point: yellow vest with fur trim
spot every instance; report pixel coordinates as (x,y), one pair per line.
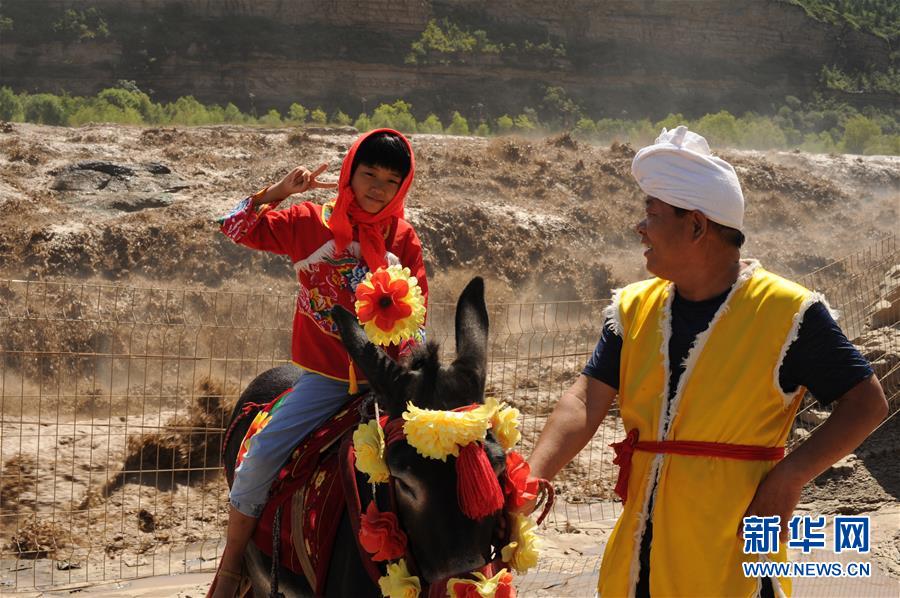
(729,393)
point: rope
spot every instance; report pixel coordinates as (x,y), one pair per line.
(245,410)
(547,496)
(276,556)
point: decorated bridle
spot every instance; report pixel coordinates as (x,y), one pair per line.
(461,433)
(391,308)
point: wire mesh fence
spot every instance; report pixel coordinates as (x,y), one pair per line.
(113,401)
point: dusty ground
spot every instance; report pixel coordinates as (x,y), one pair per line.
(541,219)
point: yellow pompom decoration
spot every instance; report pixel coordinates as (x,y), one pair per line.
(398,583)
(522,551)
(505,426)
(368,441)
(437,434)
(390,305)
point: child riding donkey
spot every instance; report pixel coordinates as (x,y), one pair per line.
(332,247)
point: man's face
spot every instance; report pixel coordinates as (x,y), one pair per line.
(374,187)
(667,237)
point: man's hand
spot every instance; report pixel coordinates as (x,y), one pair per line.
(777,494)
(856,413)
(296,181)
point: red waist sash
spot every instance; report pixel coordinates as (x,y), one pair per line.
(743,452)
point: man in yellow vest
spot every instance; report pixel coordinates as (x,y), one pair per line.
(710,360)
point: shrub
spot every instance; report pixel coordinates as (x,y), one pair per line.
(136,100)
(504,125)
(642,132)
(10,105)
(272,118)
(482,130)
(339,118)
(884,144)
(318,116)
(363,123)
(232,114)
(186,110)
(672,121)
(585,128)
(432,124)
(297,113)
(758,132)
(524,123)
(857,133)
(612,129)
(819,143)
(46,109)
(458,125)
(720,129)
(80,25)
(395,116)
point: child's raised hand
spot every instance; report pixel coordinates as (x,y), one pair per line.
(300,179)
(296,181)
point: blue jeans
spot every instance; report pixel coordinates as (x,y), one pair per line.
(311,401)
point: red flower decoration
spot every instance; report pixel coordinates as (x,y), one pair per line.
(464,590)
(505,589)
(520,487)
(383,301)
(380,534)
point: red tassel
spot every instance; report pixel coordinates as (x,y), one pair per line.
(477,488)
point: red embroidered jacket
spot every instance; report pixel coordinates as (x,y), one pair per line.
(301,232)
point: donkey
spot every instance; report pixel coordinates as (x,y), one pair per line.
(442,541)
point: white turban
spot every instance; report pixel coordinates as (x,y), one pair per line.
(680,170)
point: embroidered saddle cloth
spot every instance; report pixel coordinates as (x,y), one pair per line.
(307,497)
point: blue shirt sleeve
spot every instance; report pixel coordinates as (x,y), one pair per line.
(604,363)
(822,359)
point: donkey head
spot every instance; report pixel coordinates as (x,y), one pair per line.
(443,541)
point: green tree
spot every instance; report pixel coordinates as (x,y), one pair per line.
(458,125)
(760,132)
(297,113)
(612,129)
(432,124)
(642,132)
(395,116)
(233,115)
(339,118)
(819,143)
(524,123)
(585,128)
(672,121)
(272,118)
(186,110)
(80,25)
(857,133)
(46,109)
(888,145)
(482,130)
(6,24)
(132,99)
(10,105)
(318,116)
(559,110)
(505,125)
(363,123)
(720,129)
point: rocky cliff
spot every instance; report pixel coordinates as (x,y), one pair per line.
(621,57)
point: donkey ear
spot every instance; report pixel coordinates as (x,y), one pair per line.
(472,331)
(388,378)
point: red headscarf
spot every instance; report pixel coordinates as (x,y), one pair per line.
(347,214)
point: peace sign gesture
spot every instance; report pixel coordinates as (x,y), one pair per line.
(296,181)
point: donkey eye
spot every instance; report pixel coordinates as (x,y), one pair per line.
(404,487)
